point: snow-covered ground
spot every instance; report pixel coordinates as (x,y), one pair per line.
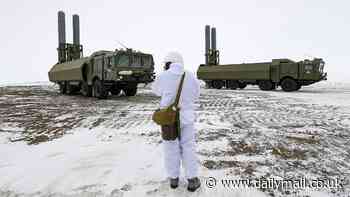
(55,145)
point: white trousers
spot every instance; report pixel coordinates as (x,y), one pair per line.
(181,150)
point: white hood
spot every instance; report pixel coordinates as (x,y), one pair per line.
(174,57)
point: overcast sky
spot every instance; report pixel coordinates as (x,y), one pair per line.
(248,31)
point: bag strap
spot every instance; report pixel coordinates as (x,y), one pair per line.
(179,90)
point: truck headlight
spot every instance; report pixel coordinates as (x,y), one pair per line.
(125,72)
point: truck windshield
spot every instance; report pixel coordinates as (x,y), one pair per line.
(122,60)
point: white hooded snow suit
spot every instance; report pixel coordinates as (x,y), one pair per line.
(184,149)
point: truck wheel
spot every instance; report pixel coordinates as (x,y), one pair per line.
(289,85)
(115,91)
(130,91)
(232,84)
(242,85)
(86,90)
(62,87)
(208,84)
(69,89)
(98,90)
(273,86)
(266,85)
(218,84)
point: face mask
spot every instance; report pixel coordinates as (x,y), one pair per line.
(167,65)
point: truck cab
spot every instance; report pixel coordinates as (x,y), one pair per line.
(116,71)
(292,75)
(311,71)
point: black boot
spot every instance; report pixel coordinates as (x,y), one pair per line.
(193,184)
(174,183)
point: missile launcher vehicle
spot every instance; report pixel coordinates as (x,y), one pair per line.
(288,74)
(101,73)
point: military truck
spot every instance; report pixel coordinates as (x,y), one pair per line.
(288,74)
(101,73)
